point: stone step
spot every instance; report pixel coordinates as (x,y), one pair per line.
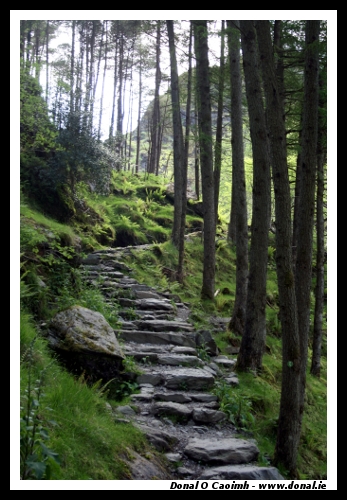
(143,336)
(147,315)
(164,326)
(241,472)
(178,378)
(132,349)
(165,359)
(225,451)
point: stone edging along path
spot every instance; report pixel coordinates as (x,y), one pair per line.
(175,408)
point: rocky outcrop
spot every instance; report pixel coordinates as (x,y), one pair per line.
(174,406)
(85,341)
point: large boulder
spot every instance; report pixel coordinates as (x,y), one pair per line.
(85,342)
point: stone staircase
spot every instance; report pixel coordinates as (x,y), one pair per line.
(175,408)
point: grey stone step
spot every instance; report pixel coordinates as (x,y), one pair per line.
(240,472)
(143,336)
(166,358)
(226,451)
(178,378)
(163,325)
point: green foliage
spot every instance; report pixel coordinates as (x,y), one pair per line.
(130,365)
(37,460)
(122,389)
(81,156)
(203,352)
(235,404)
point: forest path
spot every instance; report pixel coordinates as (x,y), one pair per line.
(179,366)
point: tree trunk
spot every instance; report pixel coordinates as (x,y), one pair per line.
(178,146)
(119,129)
(138,138)
(253,340)
(115,83)
(237,321)
(91,84)
(47,61)
(288,435)
(78,97)
(196,152)
(320,259)
(206,157)
(219,127)
(103,83)
(303,273)
(131,119)
(155,153)
(185,163)
(72,69)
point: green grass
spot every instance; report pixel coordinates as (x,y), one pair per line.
(89,444)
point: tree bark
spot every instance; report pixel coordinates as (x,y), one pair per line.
(288,435)
(155,132)
(115,82)
(219,126)
(206,157)
(320,260)
(253,340)
(47,61)
(237,321)
(138,137)
(319,291)
(180,271)
(103,82)
(177,139)
(303,273)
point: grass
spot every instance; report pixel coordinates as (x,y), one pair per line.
(90,445)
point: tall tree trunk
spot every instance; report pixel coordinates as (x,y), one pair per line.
(47,61)
(87,79)
(253,340)
(131,119)
(296,200)
(237,321)
(197,155)
(91,84)
(28,45)
(288,435)
(37,56)
(219,127)
(72,68)
(206,157)
(78,97)
(103,82)
(279,59)
(123,145)
(138,137)
(320,258)
(154,158)
(180,271)
(115,83)
(178,146)
(303,274)
(96,77)
(120,115)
